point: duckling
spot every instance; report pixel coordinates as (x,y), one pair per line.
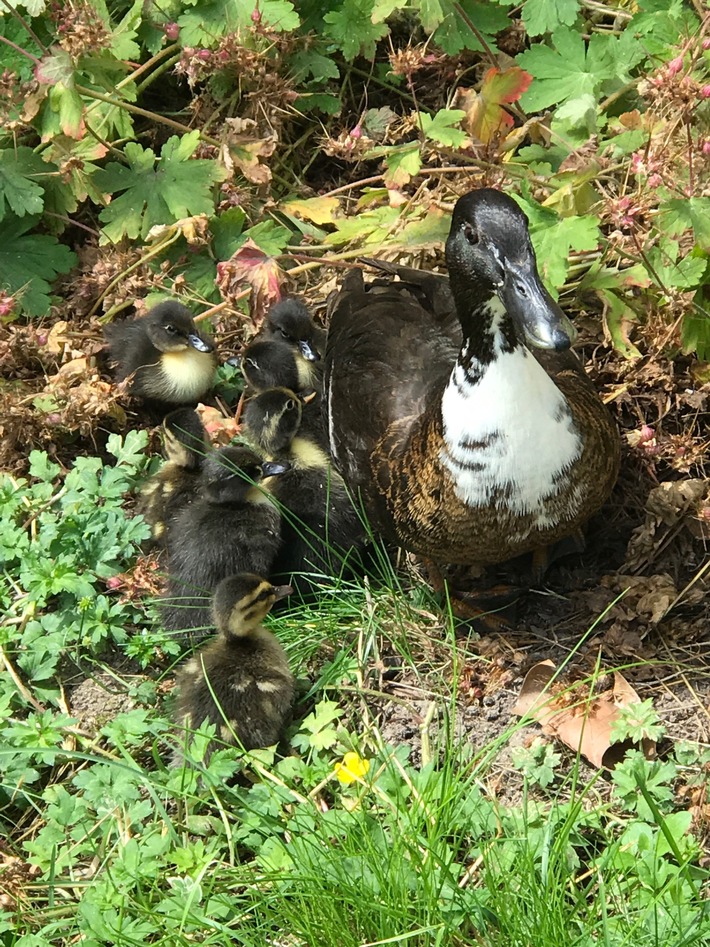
(476,446)
(275,364)
(232,526)
(167,359)
(240,681)
(321,531)
(290,321)
(174,486)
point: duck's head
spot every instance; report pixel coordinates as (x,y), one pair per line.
(270,365)
(273,418)
(230,473)
(170,327)
(184,438)
(290,321)
(243,601)
(489,254)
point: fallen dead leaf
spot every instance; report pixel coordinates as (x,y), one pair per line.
(585,725)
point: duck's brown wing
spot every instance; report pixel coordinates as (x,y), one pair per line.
(385,357)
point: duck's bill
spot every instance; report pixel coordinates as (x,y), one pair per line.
(535,312)
(200,344)
(282,591)
(272,468)
(307,351)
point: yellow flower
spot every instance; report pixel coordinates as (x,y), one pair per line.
(352,768)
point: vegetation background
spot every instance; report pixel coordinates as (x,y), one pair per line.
(225,151)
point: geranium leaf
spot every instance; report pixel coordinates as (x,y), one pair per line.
(29,263)
(156,191)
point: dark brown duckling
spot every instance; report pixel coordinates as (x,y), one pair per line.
(240,681)
(321,531)
(232,526)
(290,321)
(473,446)
(175,485)
(165,356)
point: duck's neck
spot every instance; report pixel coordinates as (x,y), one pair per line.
(509,438)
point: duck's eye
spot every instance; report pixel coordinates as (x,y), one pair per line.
(251,363)
(470,234)
(170,329)
(290,405)
(284,333)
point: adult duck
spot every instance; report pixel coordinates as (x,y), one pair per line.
(476,442)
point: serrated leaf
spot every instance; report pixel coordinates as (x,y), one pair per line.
(695,329)
(211,19)
(553,238)
(567,70)
(544,16)
(440,128)
(485,118)
(680,214)
(402,162)
(454,34)
(618,317)
(321,210)
(18,191)
(314,64)
(156,191)
(56,66)
(669,272)
(429,231)
(30,262)
(383,8)
(251,266)
(123,36)
(353,30)
(68,105)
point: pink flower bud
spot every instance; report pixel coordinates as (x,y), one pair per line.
(256,16)
(356,132)
(647,434)
(706,42)
(706,147)
(172,31)
(675,66)
(204,55)
(114,582)
(705,91)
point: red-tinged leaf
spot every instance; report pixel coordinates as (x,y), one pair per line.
(69,106)
(252,266)
(485,119)
(55,67)
(506,86)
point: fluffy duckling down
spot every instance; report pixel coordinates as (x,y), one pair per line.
(240,681)
(164,495)
(232,526)
(321,530)
(167,359)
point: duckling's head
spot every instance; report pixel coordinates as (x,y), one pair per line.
(291,321)
(273,419)
(229,474)
(184,441)
(490,257)
(170,327)
(270,365)
(243,601)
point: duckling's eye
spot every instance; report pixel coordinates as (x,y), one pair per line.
(251,362)
(290,405)
(170,329)
(470,234)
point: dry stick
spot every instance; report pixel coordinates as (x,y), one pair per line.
(18,682)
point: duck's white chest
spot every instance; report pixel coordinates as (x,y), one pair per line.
(509,436)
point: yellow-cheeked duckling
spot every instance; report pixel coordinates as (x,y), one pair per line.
(472,446)
(165,356)
(290,321)
(240,681)
(232,526)
(273,364)
(321,530)
(175,485)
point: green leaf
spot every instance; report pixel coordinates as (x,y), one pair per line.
(667,271)
(29,263)
(440,127)
(618,316)
(312,63)
(695,328)
(568,70)
(159,192)
(19,192)
(544,16)
(211,19)
(353,30)
(123,36)
(553,237)
(454,35)
(372,227)
(678,215)
(403,162)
